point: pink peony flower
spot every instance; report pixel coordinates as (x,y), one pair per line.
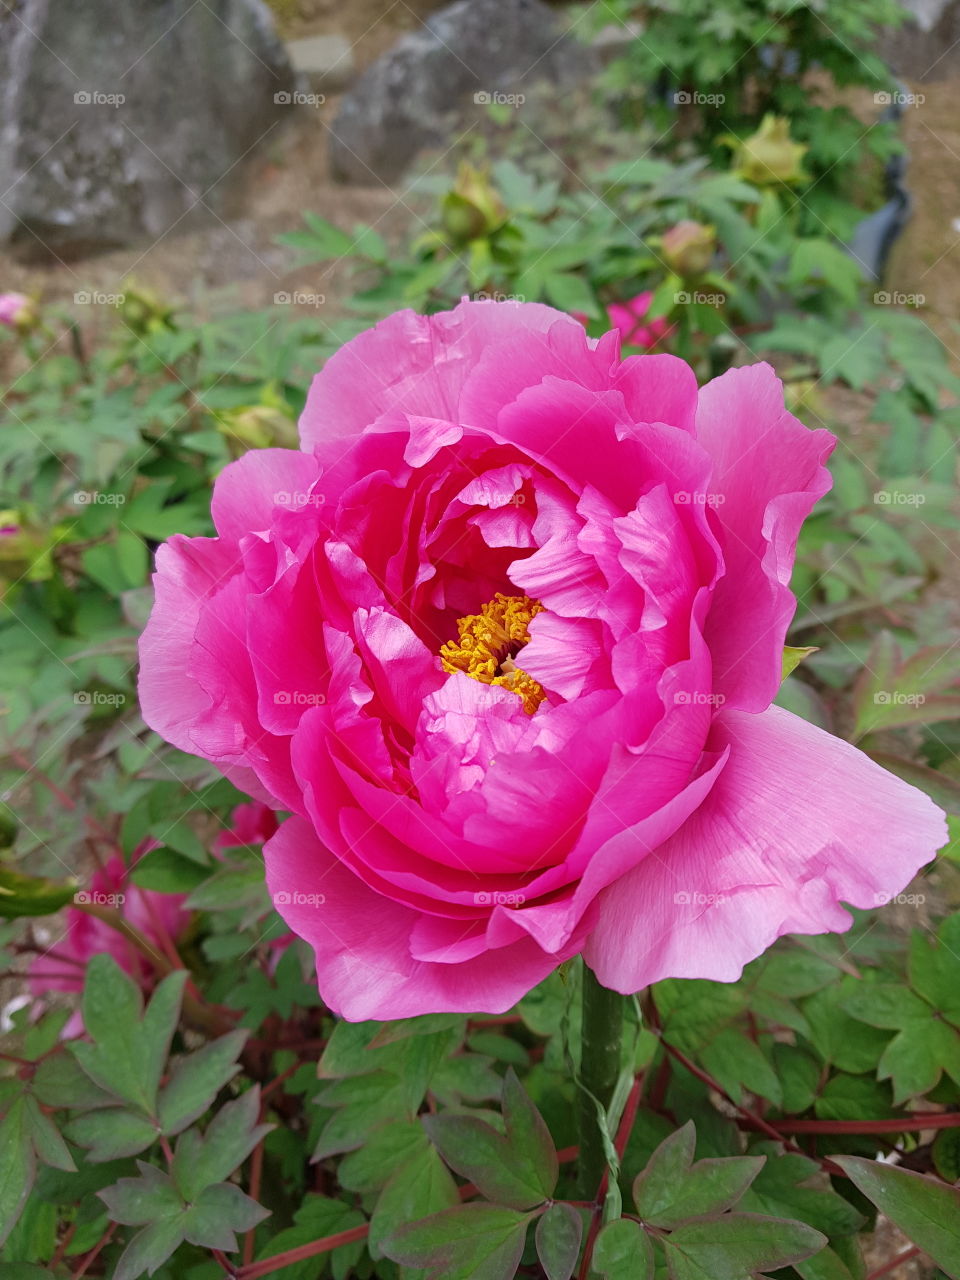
(250,824)
(155,915)
(628,317)
(504,639)
(16,310)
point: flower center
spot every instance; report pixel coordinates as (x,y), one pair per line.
(488,643)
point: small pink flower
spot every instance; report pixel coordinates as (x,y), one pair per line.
(250,824)
(157,916)
(504,639)
(628,317)
(17,311)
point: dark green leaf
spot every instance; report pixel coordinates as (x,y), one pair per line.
(18,1166)
(420,1187)
(925,1209)
(471,1242)
(735,1246)
(197,1079)
(558,1236)
(112,1132)
(231,1135)
(623,1251)
(22,895)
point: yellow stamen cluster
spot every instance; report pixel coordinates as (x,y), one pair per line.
(488,643)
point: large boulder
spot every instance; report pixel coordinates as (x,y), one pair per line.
(466,54)
(927,46)
(121,120)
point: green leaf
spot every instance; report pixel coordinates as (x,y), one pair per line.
(18,1166)
(792,657)
(736,1245)
(925,1209)
(736,1061)
(218,1212)
(623,1251)
(519,1169)
(672,1189)
(22,895)
(201,1160)
(167,871)
(558,1236)
(420,1187)
(946,1154)
(793,1186)
(129,1052)
(197,1079)
(471,1242)
(528,1135)
(316,1218)
(112,1132)
(136,1201)
(45,1136)
(149,1249)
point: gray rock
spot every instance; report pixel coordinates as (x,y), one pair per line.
(120,121)
(325,62)
(466,54)
(927,46)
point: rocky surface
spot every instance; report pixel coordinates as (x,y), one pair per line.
(119,122)
(464,56)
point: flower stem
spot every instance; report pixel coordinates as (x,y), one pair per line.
(601,1044)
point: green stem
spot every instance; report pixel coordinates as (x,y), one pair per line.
(601,1045)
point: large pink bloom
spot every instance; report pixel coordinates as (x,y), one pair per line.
(452,841)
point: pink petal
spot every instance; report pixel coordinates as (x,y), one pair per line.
(768,473)
(798,822)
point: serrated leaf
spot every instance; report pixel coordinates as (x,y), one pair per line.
(558,1236)
(925,1209)
(197,1079)
(792,1186)
(623,1251)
